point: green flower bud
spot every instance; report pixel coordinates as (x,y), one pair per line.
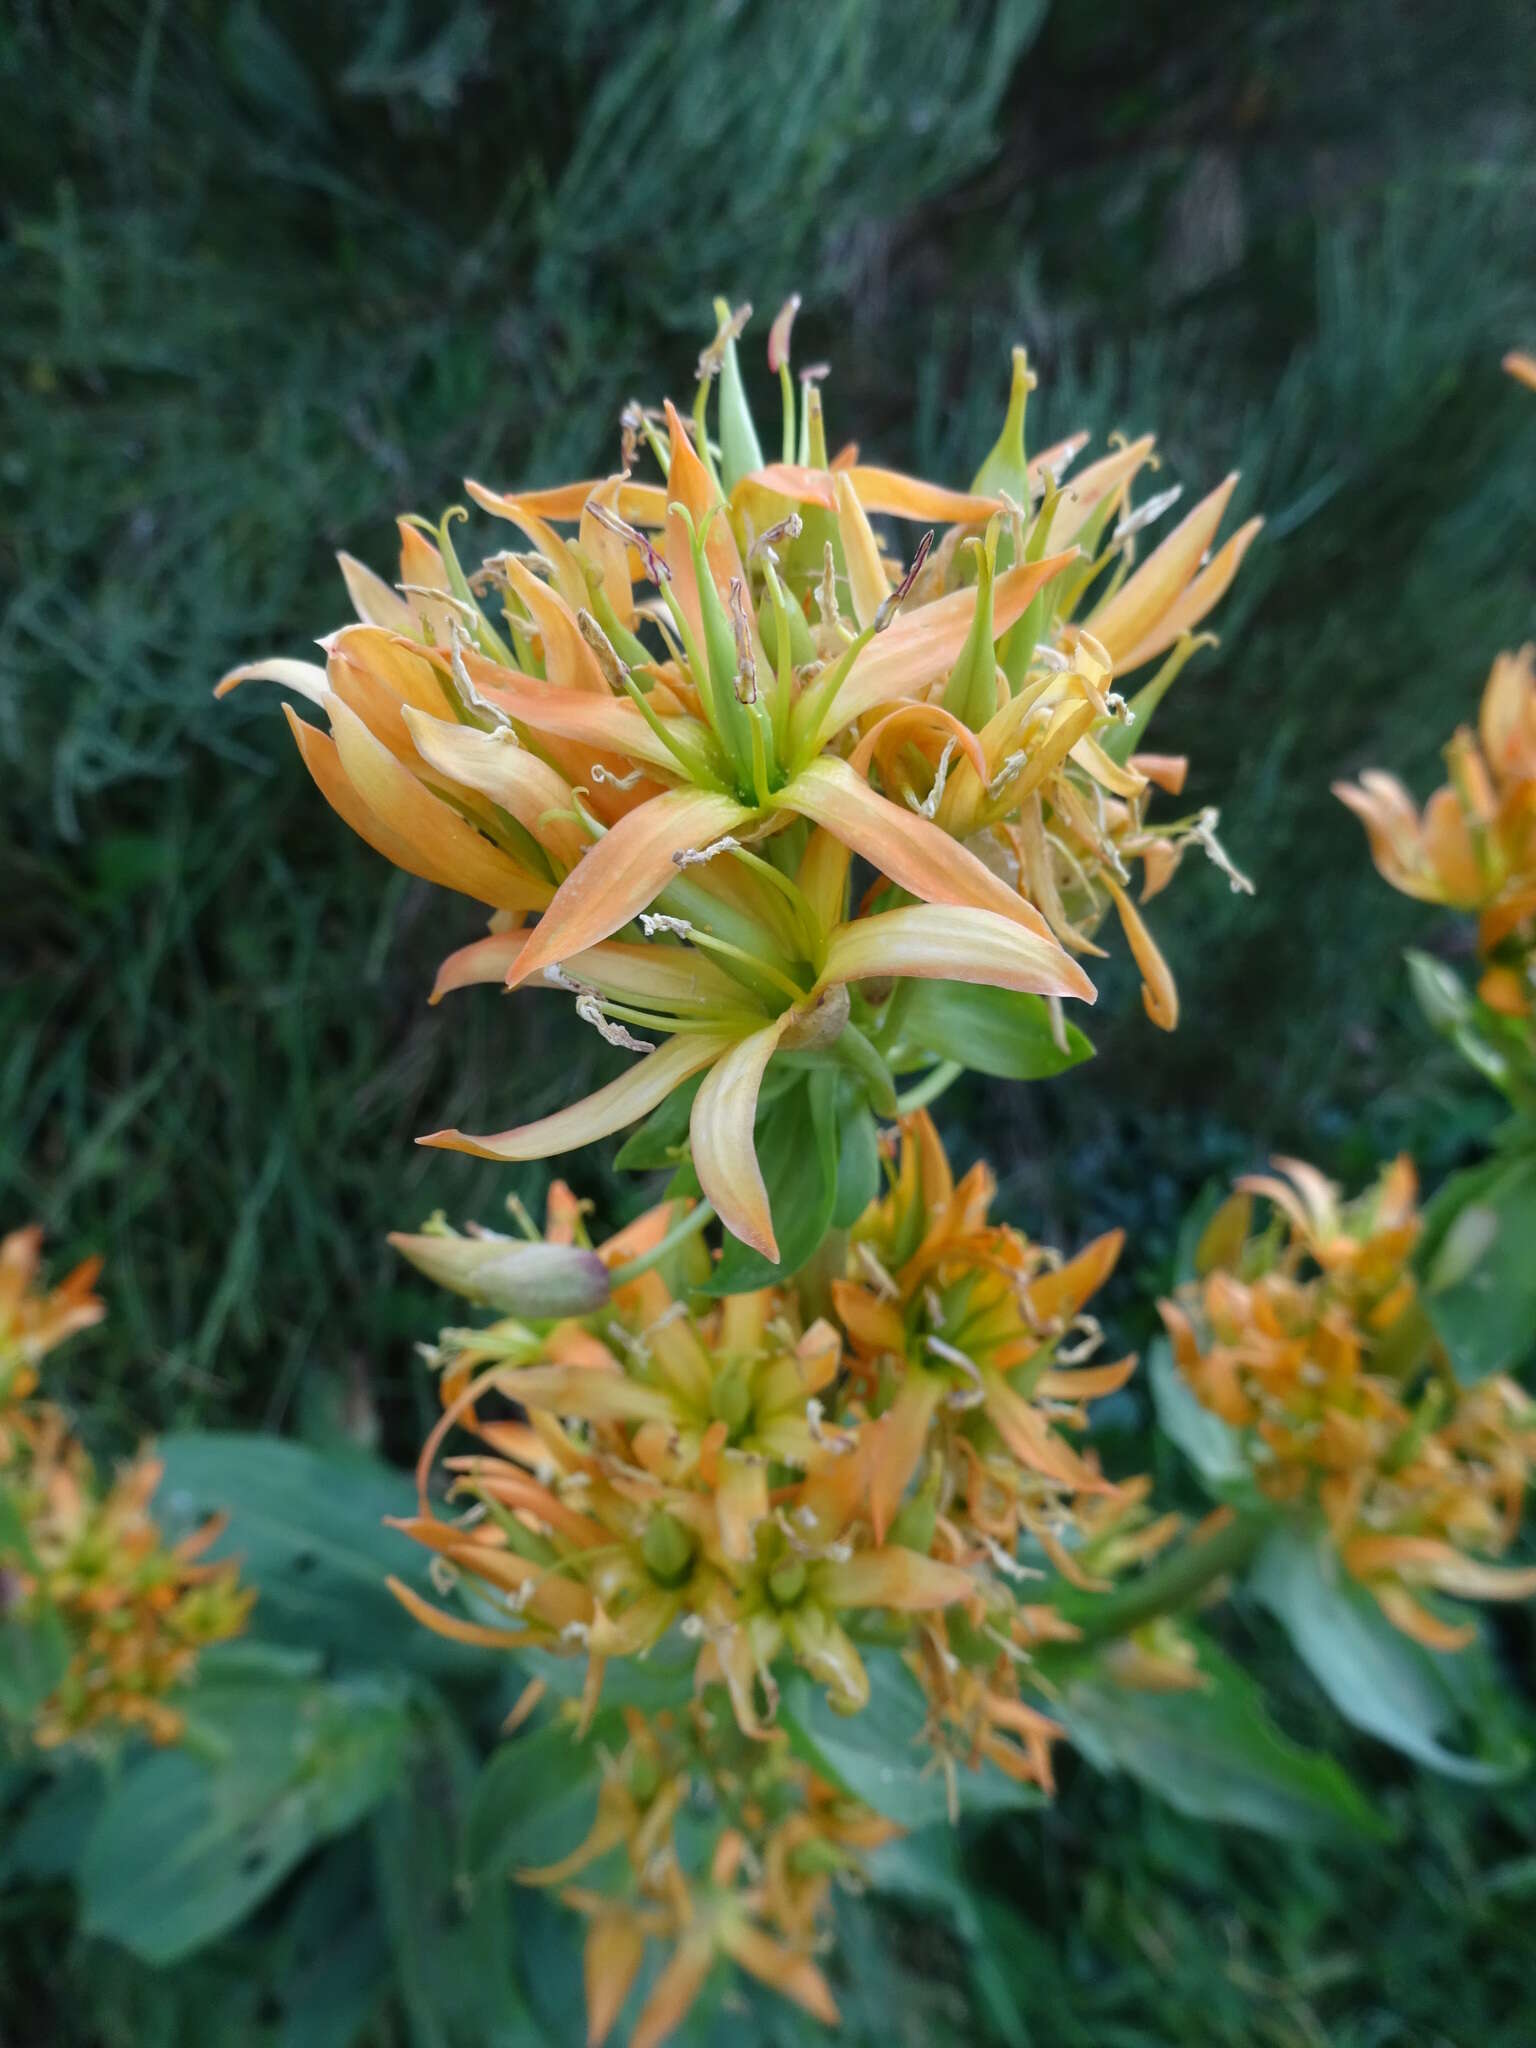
(540,1282)
(667,1549)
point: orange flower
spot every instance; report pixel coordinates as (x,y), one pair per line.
(1310,1340)
(83,1565)
(1474,845)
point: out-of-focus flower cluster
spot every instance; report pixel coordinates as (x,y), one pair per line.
(766,1839)
(1308,1337)
(778,1485)
(1473,847)
(83,1566)
(669,723)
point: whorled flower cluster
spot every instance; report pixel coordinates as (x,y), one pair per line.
(751,760)
(83,1565)
(1310,1339)
(878,1455)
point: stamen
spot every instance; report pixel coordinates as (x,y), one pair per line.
(655,568)
(1204,830)
(615,671)
(654,921)
(786,529)
(589,1009)
(1050,657)
(930,802)
(891,605)
(885,1287)
(746,667)
(601,774)
(699,856)
(712,361)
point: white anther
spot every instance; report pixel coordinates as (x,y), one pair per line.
(590,1010)
(930,802)
(601,774)
(654,921)
(698,856)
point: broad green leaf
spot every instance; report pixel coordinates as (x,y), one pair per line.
(881,1756)
(664,1134)
(1215,1754)
(1212,1446)
(535,1798)
(451,1939)
(858,1159)
(308,1529)
(186,1844)
(44,1836)
(34,1655)
(993,1031)
(1480,1266)
(1378,1678)
(797,1148)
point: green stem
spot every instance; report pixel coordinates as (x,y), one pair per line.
(1177,1582)
(692,1221)
(930,1088)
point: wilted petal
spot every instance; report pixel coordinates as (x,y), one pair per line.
(895,1578)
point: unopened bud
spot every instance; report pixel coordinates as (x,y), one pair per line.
(667,1549)
(539,1282)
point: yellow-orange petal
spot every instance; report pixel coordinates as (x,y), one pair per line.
(1128,617)
(720,1134)
(922,645)
(510,775)
(633,1095)
(1204,592)
(917,855)
(950,942)
(624,872)
(1159,992)
(894,1577)
(456,852)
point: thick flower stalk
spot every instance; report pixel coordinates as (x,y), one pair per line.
(118,1614)
(1309,1339)
(1473,847)
(752,765)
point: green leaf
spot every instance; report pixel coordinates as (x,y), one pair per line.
(1212,1446)
(45,1837)
(1378,1678)
(993,1031)
(858,1159)
(881,1756)
(1215,1754)
(34,1655)
(1480,1285)
(186,1845)
(308,1529)
(797,1148)
(657,1142)
(536,1797)
(452,1940)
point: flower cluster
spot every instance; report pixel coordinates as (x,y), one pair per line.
(116,1614)
(752,761)
(775,1837)
(1310,1339)
(1474,845)
(775,1484)
(876,1455)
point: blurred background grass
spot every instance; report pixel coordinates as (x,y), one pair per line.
(271,272)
